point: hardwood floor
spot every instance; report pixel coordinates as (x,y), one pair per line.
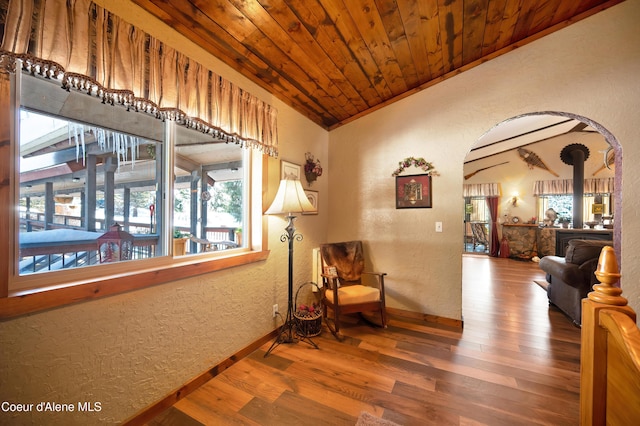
(515,362)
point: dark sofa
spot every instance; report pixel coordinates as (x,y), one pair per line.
(572,277)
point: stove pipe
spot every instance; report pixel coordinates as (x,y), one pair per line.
(575,155)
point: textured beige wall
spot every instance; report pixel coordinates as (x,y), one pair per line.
(589,69)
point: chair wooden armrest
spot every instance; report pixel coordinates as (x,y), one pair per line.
(380,276)
(375,273)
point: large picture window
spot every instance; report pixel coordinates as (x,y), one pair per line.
(558,195)
(562,204)
(86,167)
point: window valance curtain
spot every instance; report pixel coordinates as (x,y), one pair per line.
(565,186)
(95,51)
(481,190)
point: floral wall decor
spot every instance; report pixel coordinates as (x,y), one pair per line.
(414,191)
(312,168)
(421,163)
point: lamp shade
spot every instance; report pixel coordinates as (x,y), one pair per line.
(290,198)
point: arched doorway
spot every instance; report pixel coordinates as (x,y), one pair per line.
(497,158)
(577,129)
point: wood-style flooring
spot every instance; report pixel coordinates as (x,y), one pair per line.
(515,362)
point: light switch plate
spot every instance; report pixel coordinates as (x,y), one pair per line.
(438,226)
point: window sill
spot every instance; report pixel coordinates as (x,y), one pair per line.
(26,302)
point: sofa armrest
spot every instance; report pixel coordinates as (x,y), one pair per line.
(558,268)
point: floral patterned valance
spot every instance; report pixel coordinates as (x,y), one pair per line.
(481,190)
(565,186)
(92,50)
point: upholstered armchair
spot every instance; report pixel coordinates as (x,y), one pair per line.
(347,287)
(572,277)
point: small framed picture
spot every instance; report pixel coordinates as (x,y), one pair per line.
(313,199)
(597,208)
(331,271)
(413,191)
(289,170)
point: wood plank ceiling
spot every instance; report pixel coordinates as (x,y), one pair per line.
(336,60)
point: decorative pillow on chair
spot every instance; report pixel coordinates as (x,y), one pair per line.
(346,257)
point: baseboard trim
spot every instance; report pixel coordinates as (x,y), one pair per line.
(158,407)
(432,319)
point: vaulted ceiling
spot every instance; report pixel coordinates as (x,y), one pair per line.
(336,60)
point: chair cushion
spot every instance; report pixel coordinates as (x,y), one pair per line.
(354,294)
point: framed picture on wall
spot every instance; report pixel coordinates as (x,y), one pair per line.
(313,199)
(413,191)
(289,170)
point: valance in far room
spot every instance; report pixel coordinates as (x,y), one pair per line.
(565,186)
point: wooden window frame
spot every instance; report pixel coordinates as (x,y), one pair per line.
(82,287)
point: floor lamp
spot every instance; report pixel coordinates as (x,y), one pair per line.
(290,199)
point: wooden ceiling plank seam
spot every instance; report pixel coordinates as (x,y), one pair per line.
(216,41)
(573,17)
(394,27)
(301,36)
(585,5)
(257,38)
(509,21)
(450,14)
(430,24)
(564,10)
(543,16)
(351,69)
(349,32)
(335,100)
(295,75)
(367,18)
(475,16)
(410,14)
(345,93)
(525,18)
(495,14)
(314,16)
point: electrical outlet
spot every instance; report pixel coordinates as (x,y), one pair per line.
(275,310)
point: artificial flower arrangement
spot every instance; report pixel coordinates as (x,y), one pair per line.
(421,163)
(312,310)
(312,168)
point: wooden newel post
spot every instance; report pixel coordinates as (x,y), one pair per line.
(593,351)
